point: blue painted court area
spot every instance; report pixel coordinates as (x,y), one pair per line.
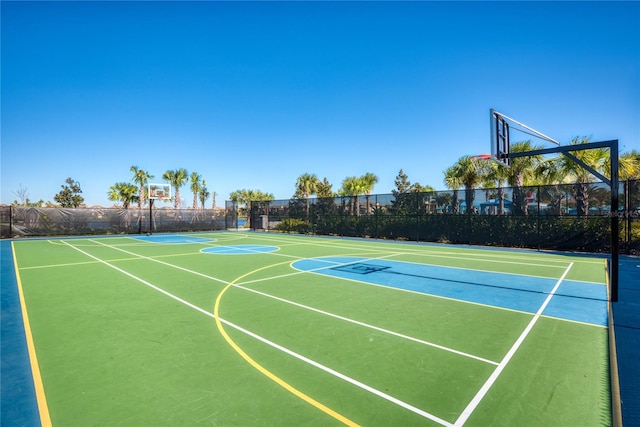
(18,399)
(578,301)
(172,239)
(239,249)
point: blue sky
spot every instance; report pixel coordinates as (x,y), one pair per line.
(253,94)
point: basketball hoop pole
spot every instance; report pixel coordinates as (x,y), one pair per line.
(500,150)
(150,214)
(535,132)
(613,183)
(613,153)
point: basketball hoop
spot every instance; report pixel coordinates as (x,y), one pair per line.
(482,157)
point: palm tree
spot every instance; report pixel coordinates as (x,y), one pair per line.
(628,165)
(470,171)
(633,157)
(141,178)
(307,184)
(177,179)
(452,181)
(369,180)
(523,171)
(195,187)
(352,187)
(203,193)
(123,192)
(126,193)
(496,176)
(551,176)
(594,158)
(245,197)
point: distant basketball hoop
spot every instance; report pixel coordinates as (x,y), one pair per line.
(159,192)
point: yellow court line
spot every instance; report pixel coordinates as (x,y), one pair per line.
(264,370)
(43,409)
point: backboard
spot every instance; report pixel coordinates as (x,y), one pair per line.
(159,191)
(499,137)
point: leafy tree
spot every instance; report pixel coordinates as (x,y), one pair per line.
(323,189)
(69,196)
(177,179)
(195,187)
(403,187)
(141,178)
(123,192)
(402,183)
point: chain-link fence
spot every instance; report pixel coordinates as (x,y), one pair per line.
(562,217)
(19,221)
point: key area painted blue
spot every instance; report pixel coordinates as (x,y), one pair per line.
(18,404)
(584,302)
(239,249)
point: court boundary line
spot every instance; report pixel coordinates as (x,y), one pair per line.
(473,404)
(176,298)
(324,368)
(493,253)
(528,313)
(501,366)
(337,374)
(302,272)
(41,398)
(452,256)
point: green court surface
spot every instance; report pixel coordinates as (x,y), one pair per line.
(240,329)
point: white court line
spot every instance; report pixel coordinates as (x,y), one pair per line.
(330,264)
(366,325)
(326,369)
(435,252)
(496,373)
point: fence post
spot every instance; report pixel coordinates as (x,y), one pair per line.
(627,214)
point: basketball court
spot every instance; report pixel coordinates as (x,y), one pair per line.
(246,328)
(212,329)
